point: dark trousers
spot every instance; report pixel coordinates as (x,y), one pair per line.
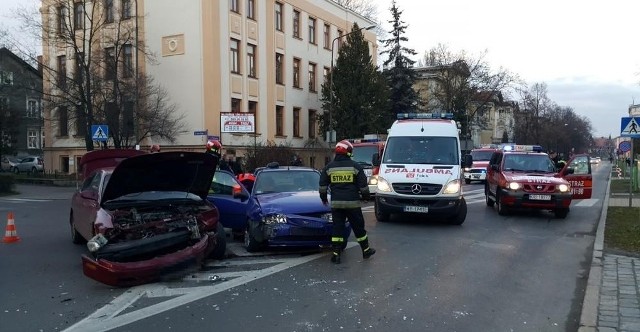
(356,219)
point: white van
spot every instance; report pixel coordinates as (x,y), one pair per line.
(420,169)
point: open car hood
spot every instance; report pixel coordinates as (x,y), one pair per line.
(104,159)
(165,171)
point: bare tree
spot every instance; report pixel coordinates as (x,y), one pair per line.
(96,79)
(366,8)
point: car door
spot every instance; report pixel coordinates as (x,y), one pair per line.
(581,180)
(86,205)
(232,208)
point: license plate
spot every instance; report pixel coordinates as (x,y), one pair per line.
(540,197)
(476,176)
(367,172)
(417,209)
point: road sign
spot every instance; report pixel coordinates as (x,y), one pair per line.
(624,146)
(200,132)
(100,133)
(213,138)
(630,127)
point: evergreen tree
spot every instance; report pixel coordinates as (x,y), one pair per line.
(398,67)
(359,92)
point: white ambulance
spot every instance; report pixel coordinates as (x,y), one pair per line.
(420,169)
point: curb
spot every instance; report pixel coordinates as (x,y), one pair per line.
(589,315)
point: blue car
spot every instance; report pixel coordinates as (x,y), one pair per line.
(281,209)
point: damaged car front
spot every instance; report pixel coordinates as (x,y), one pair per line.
(154,219)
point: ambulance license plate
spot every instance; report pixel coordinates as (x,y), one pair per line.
(416,209)
(540,197)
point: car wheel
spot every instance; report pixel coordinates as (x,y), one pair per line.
(502,210)
(488,199)
(381,216)
(250,242)
(16,170)
(561,213)
(75,235)
(459,218)
(221,243)
(34,170)
(467,181)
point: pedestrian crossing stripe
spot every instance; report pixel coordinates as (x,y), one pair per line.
(631,127)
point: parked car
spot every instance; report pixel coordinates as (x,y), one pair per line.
(30,164)
(8,163)
(281,209)
(145,216)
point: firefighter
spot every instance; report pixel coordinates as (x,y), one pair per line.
(214,147)
(347,181)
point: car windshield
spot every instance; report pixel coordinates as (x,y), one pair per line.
(363,154)
(286,181)
(422,150)
(528,163)
(481,155)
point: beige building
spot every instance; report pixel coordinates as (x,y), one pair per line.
(493,116)
(264,58)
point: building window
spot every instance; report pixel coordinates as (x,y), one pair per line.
(251,60)
(62,72)
(81,122)
(327,36)
(235,7)
(126,9)
(279,120)
(279,68)
(312,77)
(108,11)
(63,121)
(296,122)
(339,39)
(128,118)
(251,9)
(110,63)
(64,164)
(6,77)
(79,68)
(253,109)
(234,56)
(312,30)
(296,72)
(78,15)
(32,108)
(127,64)
(296,23)
(4,104)
(62,18)
(325,73)
(235,105)
(278,9)
(312,124)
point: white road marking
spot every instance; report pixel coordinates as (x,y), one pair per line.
(587,202)
(108,317)
(24,200)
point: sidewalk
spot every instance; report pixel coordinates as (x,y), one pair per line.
(611,301)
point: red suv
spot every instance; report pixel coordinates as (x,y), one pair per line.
(522,176)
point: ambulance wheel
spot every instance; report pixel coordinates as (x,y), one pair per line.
(561,213)
(502,210)
(467,181)
(381,216)
(459,218)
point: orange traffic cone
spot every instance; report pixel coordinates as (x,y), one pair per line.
(10,234)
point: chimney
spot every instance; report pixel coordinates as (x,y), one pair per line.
(39,59)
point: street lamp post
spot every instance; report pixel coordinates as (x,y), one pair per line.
(331,135)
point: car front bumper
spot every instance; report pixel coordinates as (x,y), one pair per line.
(441,207)
(297,233)
(520,199)
(479,175)
(124,274)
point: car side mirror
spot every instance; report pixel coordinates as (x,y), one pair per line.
(568,171)
(375,159)
(241,195)
(89,194)
(467,161)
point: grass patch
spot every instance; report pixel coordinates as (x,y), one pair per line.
(621,187)
(622,230)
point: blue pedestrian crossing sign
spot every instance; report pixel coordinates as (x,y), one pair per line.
(100,133)
(630,127)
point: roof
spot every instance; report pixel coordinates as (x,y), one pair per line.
(6,52)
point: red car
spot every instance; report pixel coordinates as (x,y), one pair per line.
(146,217)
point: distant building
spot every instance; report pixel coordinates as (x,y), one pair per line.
(493,116)
(21,121)
(265,58)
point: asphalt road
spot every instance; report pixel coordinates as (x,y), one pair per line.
(523,272)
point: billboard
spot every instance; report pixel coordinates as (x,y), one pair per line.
(237,122)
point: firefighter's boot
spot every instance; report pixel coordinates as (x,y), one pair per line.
(336,244)
(366,250)
(335,257)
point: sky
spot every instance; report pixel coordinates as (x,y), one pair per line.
(587,52)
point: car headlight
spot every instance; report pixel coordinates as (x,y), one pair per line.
(373,180)
(96,242)
(383,185)
(466,169)
(452,187)
(274,219)
(328,217)
(513,185)
(563,188)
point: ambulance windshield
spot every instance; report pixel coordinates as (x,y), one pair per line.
(422,150)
